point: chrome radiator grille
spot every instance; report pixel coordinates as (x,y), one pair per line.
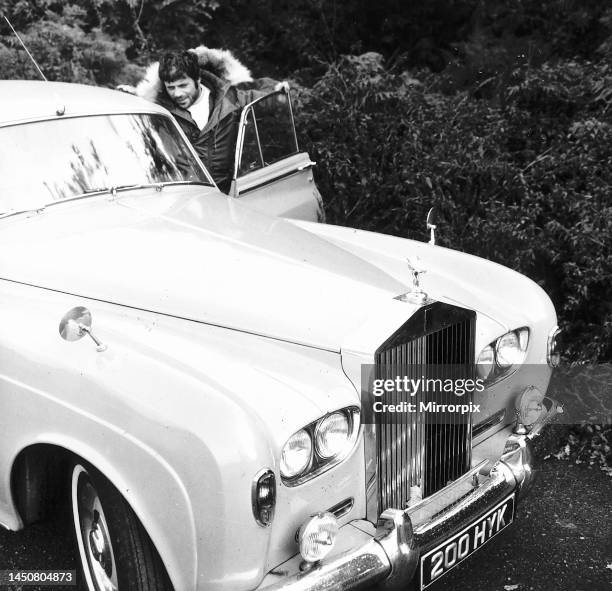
(425,450)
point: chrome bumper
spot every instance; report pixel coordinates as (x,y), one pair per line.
(391,557)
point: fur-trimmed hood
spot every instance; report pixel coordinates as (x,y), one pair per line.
(217,63)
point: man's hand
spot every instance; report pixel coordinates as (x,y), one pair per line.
(126,88)
(284,85)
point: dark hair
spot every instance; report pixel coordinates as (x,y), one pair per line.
(175,65)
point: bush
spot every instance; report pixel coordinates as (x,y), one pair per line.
(64,52)
(588,444)
(526,184)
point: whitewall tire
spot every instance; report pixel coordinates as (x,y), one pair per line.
(115,552)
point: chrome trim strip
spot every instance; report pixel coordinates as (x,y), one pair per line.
(490,422)
(550,339)
(356,569)
(341,509)
(442,499)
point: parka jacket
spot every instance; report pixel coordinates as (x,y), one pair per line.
(229,93)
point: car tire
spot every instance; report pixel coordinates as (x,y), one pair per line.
(115,552)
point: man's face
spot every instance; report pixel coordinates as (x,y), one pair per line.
(183,91)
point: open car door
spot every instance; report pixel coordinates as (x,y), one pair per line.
(270,172)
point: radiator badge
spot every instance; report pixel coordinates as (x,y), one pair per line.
(416,295)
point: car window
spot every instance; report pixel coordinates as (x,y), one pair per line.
(46,161)
(252,158)
(269,133)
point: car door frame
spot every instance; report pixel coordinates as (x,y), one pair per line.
(294,163)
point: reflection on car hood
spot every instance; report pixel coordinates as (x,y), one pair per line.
(200,257)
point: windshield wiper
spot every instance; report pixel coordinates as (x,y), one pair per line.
(110,190)
(171,183)
(158,186)
(113,190)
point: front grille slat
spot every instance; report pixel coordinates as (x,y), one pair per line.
(419,449)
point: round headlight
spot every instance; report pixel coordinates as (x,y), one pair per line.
(485,362)
(296,454)
(332,435)
(530,406)
(511,348)
(317,536)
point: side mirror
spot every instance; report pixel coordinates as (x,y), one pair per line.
(75,324)
(431,225)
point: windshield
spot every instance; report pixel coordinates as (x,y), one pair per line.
(47,161)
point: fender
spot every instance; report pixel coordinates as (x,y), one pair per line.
(171,398)
(150,504)
(482,285)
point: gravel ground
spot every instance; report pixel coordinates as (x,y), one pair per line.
(561,540)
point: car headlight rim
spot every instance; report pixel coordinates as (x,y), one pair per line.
(506,359)
(320,463)
(507,350)
(508,356)
(292,466)
(323,447)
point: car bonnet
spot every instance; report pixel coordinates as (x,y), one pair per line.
(193,253)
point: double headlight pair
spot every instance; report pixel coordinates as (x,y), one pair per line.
(319,445)
(312,450)
(503,356)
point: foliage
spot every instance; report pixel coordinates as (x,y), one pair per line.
(63,50)
(526,184)
(471,41)
(588,444)
(107,32)
(307,33)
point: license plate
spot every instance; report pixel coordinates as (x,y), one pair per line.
(451,552)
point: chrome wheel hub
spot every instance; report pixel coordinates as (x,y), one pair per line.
(98,544)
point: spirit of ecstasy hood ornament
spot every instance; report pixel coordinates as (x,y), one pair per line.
(416,295)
